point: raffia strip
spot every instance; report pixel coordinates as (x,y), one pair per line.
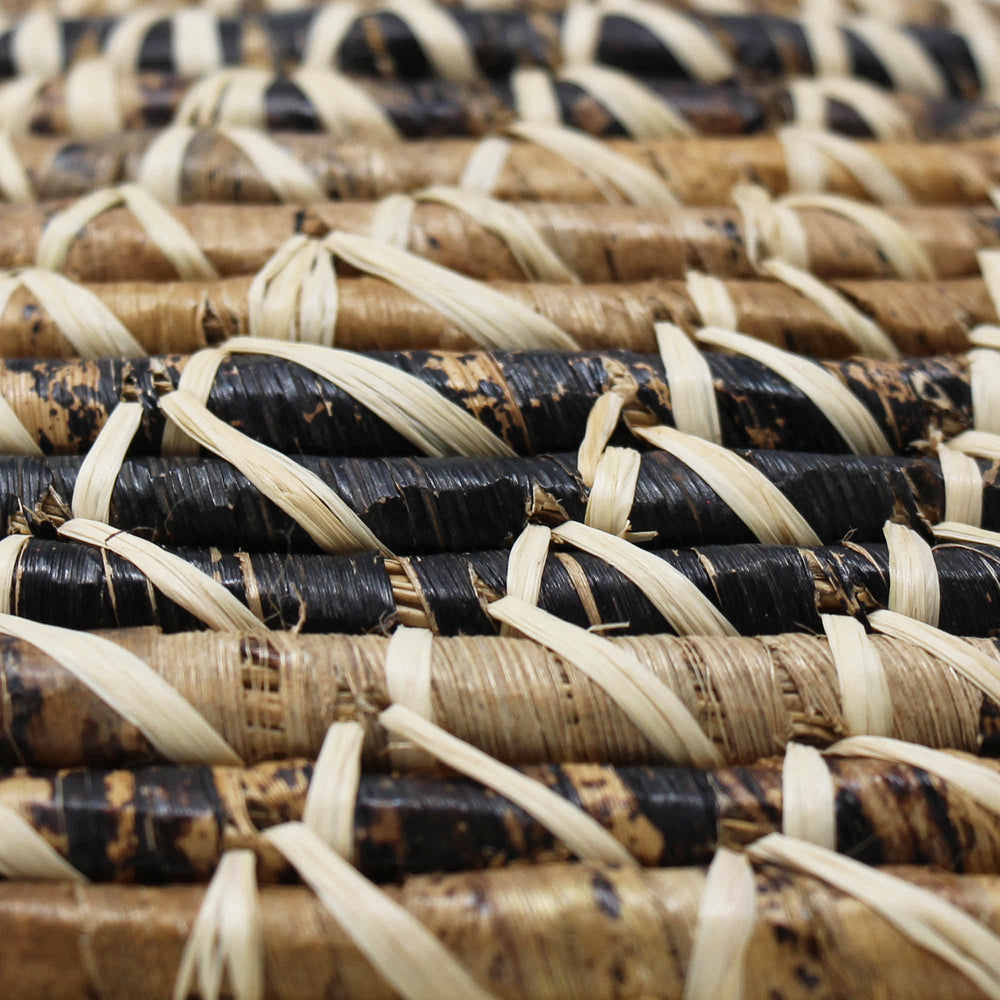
(434,424)
(392,220)
(163,230)
(980,783)
(15,185)
(184,584)
(197,46)
(692,45)
(979,31)
(904,60)
(877,109)
(233,96)
(537,260)
(807,156)
(978,443)
(408,956)
(493,319)
(974,665)
(827,45)
(408,683)
(963,487)
(37,45)
(613,493)
(901,249)
(26,854)
(485,164)
(124,43)
(643,114)
(285,175)
(93,105)
(987,334)
(828,394)
(226,936)
(692,393)
(333,789)
(11,547)
(955,531)
(525,567)
(808,809)
(14,436)
(319,510)
(712,300)
(134,690)
(584,836)
(866,703)
(345,110)
(81,317)
(196,380)
(17,99)
(984,378)
(601,423)
(869,337)
(922,916)
(770,228)
(99,470)
(684,606)
(914,587)
(327,30)
(751,496)
(989,267)
(534,95)
(294,295)
(617,177)
(727,915)
(653,707)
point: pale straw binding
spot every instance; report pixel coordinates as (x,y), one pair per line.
(914,587)
(134,690)
(14,436)
(831,397)
(525,566)
(960,771)
(333,788)
(692,393)
(984,377)
(956,531)
(751,496)
(808,800)
(642,113)
(865,701)
(869,338)
(900,248)
(924,917)
(808,153)
(37,45)
(827,45)
(537,260)
(15,185)
(977,443)
(11,547)
(770,228)
(124,42)
(408,956)
(963,487)
(26,854)
(226,938)
(975,666)
(197,45)
(491,318)
(392,220)
(582,834)
(196,380)
(618,178)
(412,408)
(534,96)
(613,493)
(989,267)
(185,584)
(345,110)
(685,607)
(601,423)
(95,482)
(318,509)
(17,101)
(726,918)
(979,31)
(712,300)
(161,228)
(877,109)
(485,165)
(233,96)
(82,318)
(655,709)
(408,683)
(908,66)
